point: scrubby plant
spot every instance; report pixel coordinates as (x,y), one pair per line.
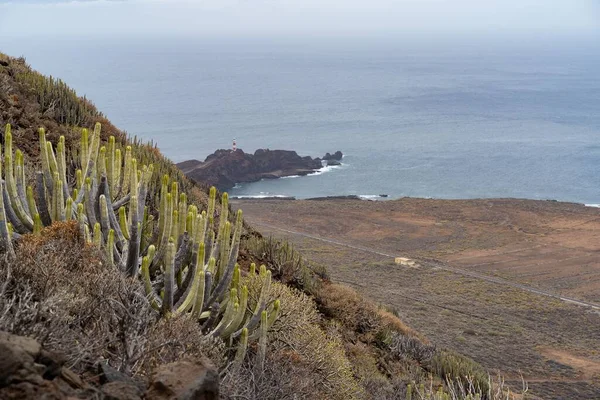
(186,266)
(464,388)
(302,360)
(460,371)
(287,264)
(411,348)
(62,293)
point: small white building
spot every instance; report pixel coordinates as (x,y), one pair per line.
(405,261)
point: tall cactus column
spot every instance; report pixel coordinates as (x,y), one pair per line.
(188,267)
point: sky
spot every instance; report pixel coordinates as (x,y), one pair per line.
(514,18)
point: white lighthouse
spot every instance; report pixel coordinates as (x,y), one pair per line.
(234,146)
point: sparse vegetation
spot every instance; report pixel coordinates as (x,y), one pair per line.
(57,100)
(106,258)
(287,265)
(186,267)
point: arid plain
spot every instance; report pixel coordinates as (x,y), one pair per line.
(494,279)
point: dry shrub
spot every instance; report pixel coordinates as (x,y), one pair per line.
(310,366)
(78,305)
(404,347)
(364,361)
(361,316)
(302,360)
(460,370)
(383,351)
(63,293)
(347,306)
(466,389)
(286,264)
(394,324)
(174,338)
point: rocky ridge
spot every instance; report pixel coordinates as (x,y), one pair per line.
(225,168)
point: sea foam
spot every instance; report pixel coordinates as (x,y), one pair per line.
(259,196)
(326,168)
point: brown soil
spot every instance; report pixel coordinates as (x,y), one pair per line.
(486,274)
(587,368)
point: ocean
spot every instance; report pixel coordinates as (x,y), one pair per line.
(431,119)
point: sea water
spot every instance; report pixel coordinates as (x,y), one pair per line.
(440,119)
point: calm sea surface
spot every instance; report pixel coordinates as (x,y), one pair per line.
(429,120)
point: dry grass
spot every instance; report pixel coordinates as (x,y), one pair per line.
(61,292)
(78,306)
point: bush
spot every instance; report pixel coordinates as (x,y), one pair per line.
(61,292)
(459,370)
(176,338)
(345,305)
(464,389)
(410,348)
(361,316)
(302,360)
(286,264)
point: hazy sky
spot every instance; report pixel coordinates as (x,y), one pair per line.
(302,17)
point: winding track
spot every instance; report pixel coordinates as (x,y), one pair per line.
(437,264)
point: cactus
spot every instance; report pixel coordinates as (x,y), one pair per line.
(240,354)
(188,267)
(5,239)
(11,184)
(262,343)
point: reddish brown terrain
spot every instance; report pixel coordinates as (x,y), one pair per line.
(494,279)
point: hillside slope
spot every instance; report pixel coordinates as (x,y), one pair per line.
(327,341)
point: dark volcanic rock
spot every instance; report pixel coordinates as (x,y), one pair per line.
(27,371)
(121,391)
(189,165)
(225,168)
(332,162)
(337,156)
(198,380)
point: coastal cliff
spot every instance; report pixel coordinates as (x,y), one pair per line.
(225,168)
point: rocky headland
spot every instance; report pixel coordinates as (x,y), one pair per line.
(225,168)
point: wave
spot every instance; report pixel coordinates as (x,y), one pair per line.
(372,196)
(592,205)
(260,196)
(327,168)
(290,176)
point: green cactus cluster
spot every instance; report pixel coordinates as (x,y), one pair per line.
(185,257)
(57,98)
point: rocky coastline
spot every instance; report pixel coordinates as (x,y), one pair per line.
(225,168)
